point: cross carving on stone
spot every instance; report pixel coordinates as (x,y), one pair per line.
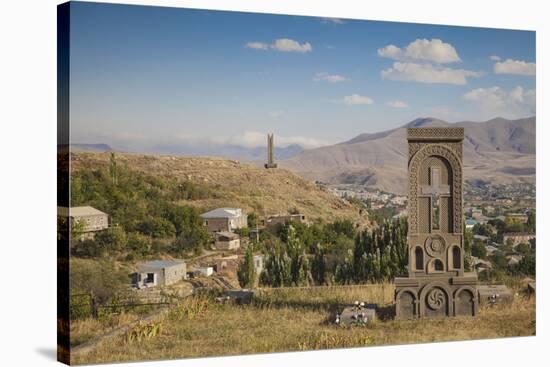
(435,190)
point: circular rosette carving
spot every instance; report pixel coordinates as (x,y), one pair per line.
(435,246)
(436,299)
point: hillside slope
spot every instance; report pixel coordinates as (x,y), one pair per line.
(498,151)
(268,192)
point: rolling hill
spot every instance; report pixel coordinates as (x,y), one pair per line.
(267,192)
(496,151)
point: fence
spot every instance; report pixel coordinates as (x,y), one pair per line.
(85,305)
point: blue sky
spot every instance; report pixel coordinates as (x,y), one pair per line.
(146,76)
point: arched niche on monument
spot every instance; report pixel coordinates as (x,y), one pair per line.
(418,259)
(435,180)
(465,302)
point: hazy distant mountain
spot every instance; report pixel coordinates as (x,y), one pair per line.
(497,151)
(229,151)
(91,147)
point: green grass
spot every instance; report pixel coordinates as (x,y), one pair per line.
(297,319)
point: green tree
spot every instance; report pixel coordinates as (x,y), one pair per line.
(113,238)
(276,272)
(191,239)
(139,244)
(479,250)
(524,249)
(252,220)
(299,264)
(468,244)
(319,266)
(246,272)
(156,227)
(531,225)
(527,265)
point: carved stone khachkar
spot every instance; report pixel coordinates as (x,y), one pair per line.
(270,160)
(436,285)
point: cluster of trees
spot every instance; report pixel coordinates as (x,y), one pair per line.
(286,264)
(378,255)
(298,260)
(144,213)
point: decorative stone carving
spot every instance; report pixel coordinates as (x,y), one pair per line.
(414,167)
(435,246)
(436,299)
(436,285)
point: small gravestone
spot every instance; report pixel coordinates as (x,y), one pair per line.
(494,294)
(238,296)
(358,314)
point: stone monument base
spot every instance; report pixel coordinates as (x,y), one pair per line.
(436,296)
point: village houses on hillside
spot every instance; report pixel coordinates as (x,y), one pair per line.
(93,220)
(224,219)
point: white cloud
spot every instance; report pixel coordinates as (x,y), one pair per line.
(397,104)
(428,73)
(516,67)
(257,45)
(495,101)
(356,99)
(434,50)
(282,45)
(332,21)
(331,78)
(495,58)
(288,45)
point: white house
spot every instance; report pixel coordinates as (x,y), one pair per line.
(158,273)
(224,219)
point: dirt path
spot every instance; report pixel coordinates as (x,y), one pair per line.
(91,344)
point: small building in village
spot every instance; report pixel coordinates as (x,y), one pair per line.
(516,238)
(227,240)
(224,219)
(481,265)
(284,219)
(92,220)
(227,264)
(520,217)
(490,249)
(158,273)
(470,223)
(204,271)
(514,260)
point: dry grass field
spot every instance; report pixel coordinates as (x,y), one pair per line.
(281,320)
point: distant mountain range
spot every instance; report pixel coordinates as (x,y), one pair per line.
(495,151)
(256,155)
(91,147)
(229,151)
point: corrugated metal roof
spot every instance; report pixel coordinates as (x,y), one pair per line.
(223,213)
(78,211)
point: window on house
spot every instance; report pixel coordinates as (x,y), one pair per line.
(150,278)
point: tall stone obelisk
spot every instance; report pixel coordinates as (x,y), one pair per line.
(270,157)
